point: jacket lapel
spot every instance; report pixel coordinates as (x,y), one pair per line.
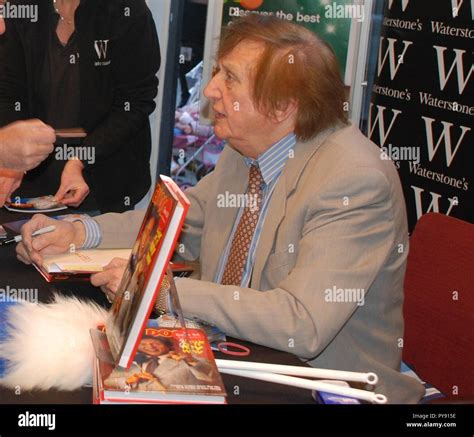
(277,207)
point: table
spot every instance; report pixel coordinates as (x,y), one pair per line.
(240,390)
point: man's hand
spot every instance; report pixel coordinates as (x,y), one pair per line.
(109,280)
(66,236)
(25,144)
(73,189)
(10,180)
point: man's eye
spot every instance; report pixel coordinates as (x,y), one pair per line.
(229,77)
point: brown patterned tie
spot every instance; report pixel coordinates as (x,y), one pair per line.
(239,250)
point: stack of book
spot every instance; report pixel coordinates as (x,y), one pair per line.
(136,360)
(172,365)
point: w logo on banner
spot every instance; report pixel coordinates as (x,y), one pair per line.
(457,64)
(380,121)
(456,6)
(404,4)
(434,205)
(101,47)
(394,60)
(444,137)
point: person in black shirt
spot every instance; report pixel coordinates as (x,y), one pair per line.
(87,64)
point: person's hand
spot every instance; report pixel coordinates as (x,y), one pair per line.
(10,180)
(109,279)
(25,144)
(66,236)
(2,22)
(73,189)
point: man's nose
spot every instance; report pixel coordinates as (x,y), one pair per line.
(211,91)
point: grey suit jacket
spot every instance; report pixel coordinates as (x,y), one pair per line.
(327,284)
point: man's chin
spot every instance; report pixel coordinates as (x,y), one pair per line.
(2,26)
(219,133)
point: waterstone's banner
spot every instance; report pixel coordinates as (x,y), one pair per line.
(422,107)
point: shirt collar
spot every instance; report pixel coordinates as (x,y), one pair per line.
(272,161)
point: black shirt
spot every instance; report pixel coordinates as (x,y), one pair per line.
(60,104)
(60,97)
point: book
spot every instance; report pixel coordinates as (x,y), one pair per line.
(81,264)
(172,365)
(146,267)
(77,132)
(33,205)
(78,265)
(72,137)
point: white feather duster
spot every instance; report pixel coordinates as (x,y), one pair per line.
(49,345)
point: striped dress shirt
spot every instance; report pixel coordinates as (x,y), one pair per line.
(271,164)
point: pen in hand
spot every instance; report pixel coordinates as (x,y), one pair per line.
(19,239)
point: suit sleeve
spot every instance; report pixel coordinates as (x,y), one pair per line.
(347,236)
(136,63)
(119,231)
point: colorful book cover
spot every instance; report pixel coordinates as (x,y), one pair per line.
(171,365)
(148,262)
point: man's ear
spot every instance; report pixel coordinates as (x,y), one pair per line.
(285,111)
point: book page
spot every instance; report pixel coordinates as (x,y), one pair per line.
(83,260)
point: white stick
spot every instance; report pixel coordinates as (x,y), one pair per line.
(309,384)
(309,372)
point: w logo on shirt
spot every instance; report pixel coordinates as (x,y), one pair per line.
(101,48)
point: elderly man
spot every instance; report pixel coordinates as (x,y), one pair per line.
(317,268)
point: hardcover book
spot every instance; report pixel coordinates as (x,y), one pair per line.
(172,365)
(147,265)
